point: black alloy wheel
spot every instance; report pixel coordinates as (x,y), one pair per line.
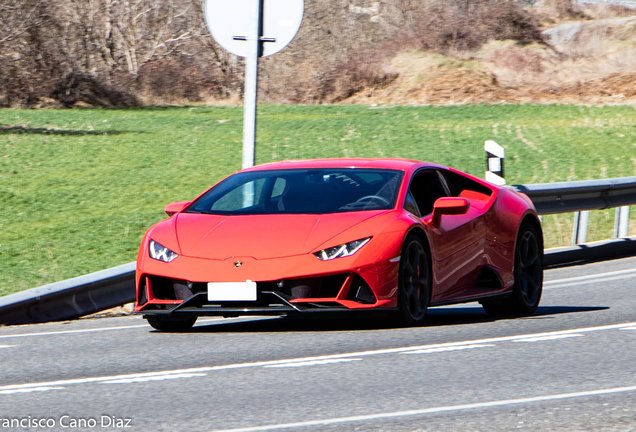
(528,273)
(171,324)
(414,282)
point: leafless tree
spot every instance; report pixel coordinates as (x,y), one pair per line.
(18,17)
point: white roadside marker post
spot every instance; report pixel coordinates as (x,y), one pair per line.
(495,163)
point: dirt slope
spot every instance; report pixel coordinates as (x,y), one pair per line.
(585,62)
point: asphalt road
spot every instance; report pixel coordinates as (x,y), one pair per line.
(572,366)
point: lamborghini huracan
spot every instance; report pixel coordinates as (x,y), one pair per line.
(341,236)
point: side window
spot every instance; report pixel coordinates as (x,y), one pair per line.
(465,187)
(426,188)
(410,205)
(279,187)
(446,184)
(452,181)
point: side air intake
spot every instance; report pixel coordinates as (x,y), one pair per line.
(488,279)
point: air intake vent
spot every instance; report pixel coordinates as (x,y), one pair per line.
(361,292)
(488,279)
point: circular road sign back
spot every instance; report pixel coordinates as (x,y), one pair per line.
(228,19)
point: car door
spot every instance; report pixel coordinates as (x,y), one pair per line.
(457,245)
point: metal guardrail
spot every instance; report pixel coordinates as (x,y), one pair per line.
(595,251)
(71,298)
(581,197)
(569,197)
(113,287)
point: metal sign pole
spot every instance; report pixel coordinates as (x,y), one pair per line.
(251,82)
(238,26)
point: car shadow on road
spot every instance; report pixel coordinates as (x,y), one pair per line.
(476,314)
(436,317)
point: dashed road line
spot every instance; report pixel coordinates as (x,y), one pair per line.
(71,332)
(350,355)
(154,378)
(434,410)
(548,338)
(29,390)
(101,329)
(312,363)
(447,349)
(595,278)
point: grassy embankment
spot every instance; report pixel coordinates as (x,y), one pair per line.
(79,187)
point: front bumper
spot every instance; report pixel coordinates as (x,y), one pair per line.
(270,303)
(300,284)
(180,287)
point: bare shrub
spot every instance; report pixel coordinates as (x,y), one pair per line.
(75,88)
(605,11)
(167,79)
(19,29)
(465,25)
(93,50)
(360,71)
(562,8)
(518,59)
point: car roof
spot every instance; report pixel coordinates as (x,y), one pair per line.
(387,163)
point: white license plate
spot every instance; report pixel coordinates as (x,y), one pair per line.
(232,291)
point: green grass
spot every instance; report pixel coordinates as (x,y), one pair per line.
(78,188)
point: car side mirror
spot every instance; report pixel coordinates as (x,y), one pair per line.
(175,207)
(448,206)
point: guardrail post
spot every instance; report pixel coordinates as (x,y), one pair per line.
(621,222)
(579,233)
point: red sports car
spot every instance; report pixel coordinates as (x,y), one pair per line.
(341,235)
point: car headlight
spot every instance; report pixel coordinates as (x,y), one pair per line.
(344,250)
(160,252)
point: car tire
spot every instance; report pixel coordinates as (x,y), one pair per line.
(170,324)
(528,274)
(414,285)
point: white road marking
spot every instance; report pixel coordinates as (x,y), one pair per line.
(318,358)
(153,378)
(6,346)
(311,363)
(629,328)
(94,330)
(370,417)
(445,349)
(30,390)
(580,280)
(548,338)
(71,331)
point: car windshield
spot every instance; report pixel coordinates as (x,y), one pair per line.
(314,191)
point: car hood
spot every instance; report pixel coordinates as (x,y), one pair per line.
(261,236)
